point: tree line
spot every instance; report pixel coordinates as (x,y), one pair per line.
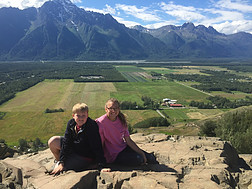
(216,81)
(221,103)
(148,103)
(15,77)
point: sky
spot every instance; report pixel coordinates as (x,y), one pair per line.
(226,16)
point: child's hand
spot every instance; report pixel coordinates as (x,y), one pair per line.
(57,170)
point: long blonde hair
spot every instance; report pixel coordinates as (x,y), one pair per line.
(121,116)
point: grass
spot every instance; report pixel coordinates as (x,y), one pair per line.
(24,117)
(231,96)
(157,90)
(160,70)
(39,97)
(133,77)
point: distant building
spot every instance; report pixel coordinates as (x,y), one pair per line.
(175,105)
(166,100)
(172,101)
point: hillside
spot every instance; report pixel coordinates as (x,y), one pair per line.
(234,126)
(59,30)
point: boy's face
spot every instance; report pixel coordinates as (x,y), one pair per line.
(80,117)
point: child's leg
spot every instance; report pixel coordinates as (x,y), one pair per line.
(129,157)
(54,144)
(151,159)
(77,163)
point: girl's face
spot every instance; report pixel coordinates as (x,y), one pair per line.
(112,110)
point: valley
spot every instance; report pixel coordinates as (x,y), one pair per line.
(25,117)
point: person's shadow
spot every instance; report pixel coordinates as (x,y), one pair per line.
(148,167)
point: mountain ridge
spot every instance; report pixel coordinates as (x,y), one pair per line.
(59,30)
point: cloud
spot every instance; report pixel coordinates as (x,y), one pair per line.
(76,1)
(126,22)
(241,6)
(160,24)
(22,4)
(102,11)
(110,10)
(182,12)
(234,27)
(140,13)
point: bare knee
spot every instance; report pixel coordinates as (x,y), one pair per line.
(54,142)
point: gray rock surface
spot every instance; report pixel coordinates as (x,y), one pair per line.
(184,163)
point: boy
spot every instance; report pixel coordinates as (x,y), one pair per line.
(81,145)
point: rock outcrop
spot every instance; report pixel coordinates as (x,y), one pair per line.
(5,151)
(184,163)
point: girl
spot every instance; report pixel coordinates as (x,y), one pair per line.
(117,145)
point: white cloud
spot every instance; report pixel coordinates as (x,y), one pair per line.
(76,1)
(125,22)
(234,27)
(107,10)
(141,13)
(160,24)
(110,10)
(182,12)
(22,4)
(102,11)
(241,6)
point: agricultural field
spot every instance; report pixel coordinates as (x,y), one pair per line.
(25,113)
(157,90)
(185,70)
(24,116)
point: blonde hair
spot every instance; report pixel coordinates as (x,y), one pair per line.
(80,107)
(121,116)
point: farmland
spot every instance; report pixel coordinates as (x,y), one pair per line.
(24,115)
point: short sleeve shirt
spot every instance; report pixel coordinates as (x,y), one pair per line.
(113,135)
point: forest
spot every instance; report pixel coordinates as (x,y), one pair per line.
(216,81)
(15,77)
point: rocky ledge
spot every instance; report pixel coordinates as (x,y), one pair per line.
(184,162)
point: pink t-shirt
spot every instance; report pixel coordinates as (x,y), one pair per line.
(112,137)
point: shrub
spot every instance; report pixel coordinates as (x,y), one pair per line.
(152,122)
(208,129)
(53,110)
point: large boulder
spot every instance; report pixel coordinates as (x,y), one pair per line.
(184,162)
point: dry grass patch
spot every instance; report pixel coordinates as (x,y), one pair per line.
(196,115)
(38,98)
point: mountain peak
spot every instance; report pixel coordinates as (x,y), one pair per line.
(63,1)
(188,25)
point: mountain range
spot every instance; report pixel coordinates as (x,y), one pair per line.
(59,30)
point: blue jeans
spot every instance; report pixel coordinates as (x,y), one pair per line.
(131,158)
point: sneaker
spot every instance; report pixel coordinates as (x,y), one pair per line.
(56,164)
(151,159)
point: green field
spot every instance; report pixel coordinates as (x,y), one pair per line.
(25,117)
(133,77)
